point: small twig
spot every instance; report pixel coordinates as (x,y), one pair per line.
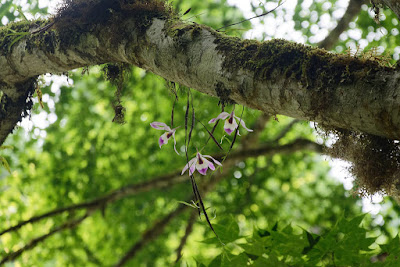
(211,134)
(263,14)
(44,28)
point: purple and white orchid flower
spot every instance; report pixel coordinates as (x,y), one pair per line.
(230,122)
(201,164)
(165,136)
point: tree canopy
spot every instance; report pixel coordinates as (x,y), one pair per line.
(85,183)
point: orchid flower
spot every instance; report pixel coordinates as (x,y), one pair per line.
(230,122)
(165,136)
(201,164)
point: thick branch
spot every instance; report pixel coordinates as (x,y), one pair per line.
(352,11)
(277,77)
(13,109)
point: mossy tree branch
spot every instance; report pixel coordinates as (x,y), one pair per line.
(278,77)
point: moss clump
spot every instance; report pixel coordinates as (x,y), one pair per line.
(312,66)
(223,93)
(76,17)
(375,160)
(315,69)
(183,33)
(13,31)
(116,74)
(15,110)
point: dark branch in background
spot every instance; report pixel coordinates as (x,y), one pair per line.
(352,11)
(259,125)
(285,131)
(267,150)
(167,180)
(188,231)
(34,242)
(159,182)
(150,234)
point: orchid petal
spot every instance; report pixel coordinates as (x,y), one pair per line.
(215,161)
(191,164)
(163,139)
(229,127)
(211,166)
(160,126)
(191,170)
(243,124)
(221,116)
(173,135)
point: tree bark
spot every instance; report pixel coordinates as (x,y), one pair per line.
(277,77)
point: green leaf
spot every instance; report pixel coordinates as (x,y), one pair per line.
(5,164)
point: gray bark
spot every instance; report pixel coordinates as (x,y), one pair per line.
(277,77)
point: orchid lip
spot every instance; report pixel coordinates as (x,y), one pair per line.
(203,171)
(201,164)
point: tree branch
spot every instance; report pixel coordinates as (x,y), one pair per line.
(188,231)
(251,140)
(15,105)
(352,11)
(150,234)
(285,131)
(277,76)
(159,182)
(34,242)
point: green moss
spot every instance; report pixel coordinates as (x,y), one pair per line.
(223,93)
(307,64)
(17,31)
(316,69)
(183,33)
(15,110)
(116,74)
(75,18)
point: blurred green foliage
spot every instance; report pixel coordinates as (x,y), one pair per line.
(9,10)
(280,210)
